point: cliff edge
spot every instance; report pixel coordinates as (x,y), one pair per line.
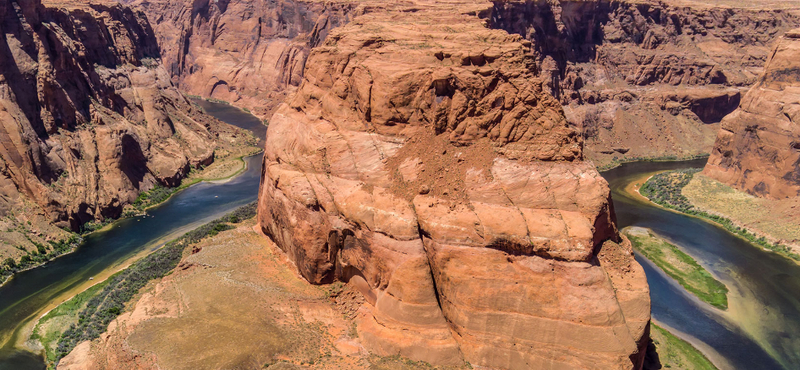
(88,120)
(423,161)
(758,146)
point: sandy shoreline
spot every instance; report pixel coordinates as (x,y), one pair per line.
(632,189)
(21,336)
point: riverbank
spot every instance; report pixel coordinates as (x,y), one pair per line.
(754,332)
(776,220)
(43,251)
(199,176)
(219,170)
(256,310)
(672,158)
(676,353)
(263,117)
(87,314)
(666,189)
(679,266)
(19,258)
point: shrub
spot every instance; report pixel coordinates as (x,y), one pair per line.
(101,309)
(665,189)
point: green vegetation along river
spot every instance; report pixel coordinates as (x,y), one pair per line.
(758,331)
(759,328)
(31,293)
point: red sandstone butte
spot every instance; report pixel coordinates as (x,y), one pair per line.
(422,160)
(758,146)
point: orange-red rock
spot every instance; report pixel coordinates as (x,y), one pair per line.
(88,117)
(615,66)
(249,53)
(424,161)
(648,78)
(758,146)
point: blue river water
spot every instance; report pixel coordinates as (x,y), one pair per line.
(760,328)
(759,331)
(28,292)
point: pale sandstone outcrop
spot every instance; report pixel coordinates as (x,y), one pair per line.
(758,146)
(88,117)
(423,161)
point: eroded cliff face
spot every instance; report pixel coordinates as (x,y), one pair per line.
(758,146)
(424,162)
(638,79)
(88,117)
(647,79)
(249,53)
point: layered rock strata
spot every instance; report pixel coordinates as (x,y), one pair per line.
(648,78)
(249,53)
(758,146)
(88,117)
(424,162)
(637,78)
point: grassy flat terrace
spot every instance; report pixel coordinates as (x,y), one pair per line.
(676,353)
(680,266)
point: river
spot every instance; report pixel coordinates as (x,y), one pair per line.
(760,328)
(31,293)
(758,331)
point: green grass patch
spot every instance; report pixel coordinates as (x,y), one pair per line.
(665,189)
(158,194)
(676,353)
(92,313)
(681,267)
(49,328)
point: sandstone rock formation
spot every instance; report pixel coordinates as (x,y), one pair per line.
(424,162)
(638,79)
(758,146)
(88,117)
(647,78)
(250,53)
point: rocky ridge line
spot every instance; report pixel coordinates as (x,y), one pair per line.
(638,79)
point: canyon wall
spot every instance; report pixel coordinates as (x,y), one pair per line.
(88,117)
(638,79)
(758,146)
(424,162)
(647,78)
(249,53)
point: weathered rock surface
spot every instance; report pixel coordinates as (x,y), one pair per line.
(758,146)
(616,66)
(88,117)
(249,53)
(423,161)
(653,77)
